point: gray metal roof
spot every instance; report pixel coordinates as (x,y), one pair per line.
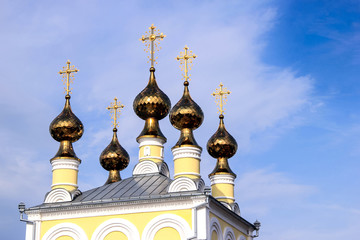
(132,187)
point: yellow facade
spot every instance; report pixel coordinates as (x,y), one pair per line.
(64,238)
(187,165)
(140,220)
(224,225)
(116,236)
(223,190)
(69,176)
(151,152)
(166,233)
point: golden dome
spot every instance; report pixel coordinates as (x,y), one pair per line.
(114,158)
(222,146)
(152,104)
(186,116)
(66,126)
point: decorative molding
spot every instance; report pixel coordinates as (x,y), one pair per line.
(167,220)
(236,208)
(65,164)
(186,152)
(115,208)
(58,195)
(145,167)
(65,229)
(164,169)
(226,205)
(182,184)
(229,234)
(222,178)
(66,184)
(150,142)
(242,237)
(150,157)
(215,226)
(187,173)
(225,197)
(116,225)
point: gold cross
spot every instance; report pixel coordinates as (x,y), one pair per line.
(154,38)
(221,97)
(115,108)
(186,62)
(69,70)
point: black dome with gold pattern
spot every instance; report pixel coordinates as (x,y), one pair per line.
(66,126)
(221,144)
(152,102)
(186,113)
(114,156)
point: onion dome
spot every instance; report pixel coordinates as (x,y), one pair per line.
(222,146)
(151,105)
(114,158)
(66,128)
(186,116)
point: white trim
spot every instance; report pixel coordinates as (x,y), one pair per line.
(186,152)
(58,195)
(116,225)
(187,173)
(215,226)
(242,237)
(229,234)
(65,229)
(222,178)
(224,197)
(116,208)
(167,220)
(182,184)
(145,167)
(150,157)
(66,184)
(65,164)
(150,142)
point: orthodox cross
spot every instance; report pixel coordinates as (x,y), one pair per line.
(186,62)
(69,71)
(115,108)
(152,40)
(220,97)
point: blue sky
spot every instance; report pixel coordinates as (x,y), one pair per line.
(292,67)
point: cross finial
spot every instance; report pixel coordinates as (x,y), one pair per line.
(115,108)
(68,76)
(152,40)
(186,62)
(220,97)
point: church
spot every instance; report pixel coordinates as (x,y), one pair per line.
(149,204)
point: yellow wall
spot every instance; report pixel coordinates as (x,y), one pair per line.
(214,236)
(140,220)
(224,224)
(64,238)
(167,233)
(223,189)
(65,176)
(187,165)
(155,151)
(116,236)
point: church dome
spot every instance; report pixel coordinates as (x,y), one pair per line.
(114,156)
(66,126)
(221,144)
(186,113)
(152,102)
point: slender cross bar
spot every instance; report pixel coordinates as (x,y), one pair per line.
(115,108)
(220,97)
(152,40)
(69,71)
(186,62)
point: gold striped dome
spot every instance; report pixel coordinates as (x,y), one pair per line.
(222,146)
(152,102)
(66,126)
(114,158)
(186,114)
